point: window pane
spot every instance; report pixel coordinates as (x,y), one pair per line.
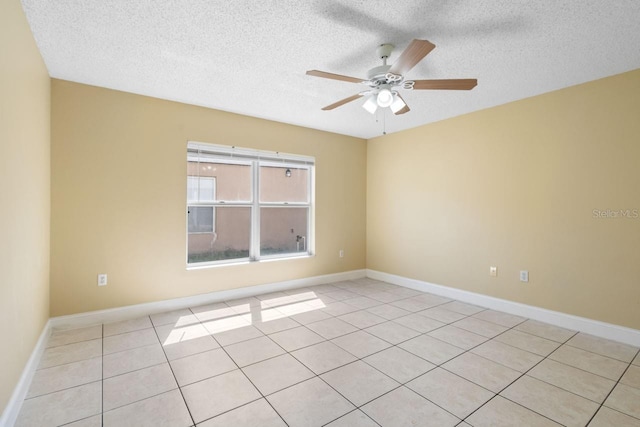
(229,239)
(201,189)
(284,184)
(207,189)
(201,219)
(227,182)
(283,230)
(192,188)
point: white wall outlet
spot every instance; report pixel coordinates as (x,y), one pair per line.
(102,280)
(493,271)
(341,253)
(524,276)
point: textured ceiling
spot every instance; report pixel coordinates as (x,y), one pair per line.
(250,57)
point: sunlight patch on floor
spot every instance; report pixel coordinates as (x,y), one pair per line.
(221,318)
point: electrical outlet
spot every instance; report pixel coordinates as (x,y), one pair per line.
(102,280)
(341,253)
(524,276)
(493,271)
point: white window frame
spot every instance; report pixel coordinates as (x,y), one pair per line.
(255,159)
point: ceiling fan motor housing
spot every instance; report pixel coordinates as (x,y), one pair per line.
(378,73)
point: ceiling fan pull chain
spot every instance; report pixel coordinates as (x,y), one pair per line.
(384,122)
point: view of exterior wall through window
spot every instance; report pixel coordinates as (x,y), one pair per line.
(247,205)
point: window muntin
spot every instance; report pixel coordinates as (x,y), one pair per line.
(260,205)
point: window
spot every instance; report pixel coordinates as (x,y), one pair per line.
(247,205)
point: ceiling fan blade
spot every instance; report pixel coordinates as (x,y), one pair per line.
(342,102)
(340,77)
(404,109)
(448,84)
(413,54)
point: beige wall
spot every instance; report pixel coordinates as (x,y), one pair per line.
(515,187)
(118,189)
(24,195)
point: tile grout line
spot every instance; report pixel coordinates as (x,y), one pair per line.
(466,379)
(70,363)
(65,388)
(580,369)
(315,375)
(594,352)
(73,342)
(629,364)
(129,349)
(515,403)
(248,379)
(350,412)
(553,385)
(520,376)
(73,361)
(613,388)
(174,376)
(360,359)
(136,370)
(319,376)
(375,336)
(512,382)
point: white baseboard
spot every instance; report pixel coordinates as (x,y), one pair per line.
(576,323)
(132,311)
(11,411)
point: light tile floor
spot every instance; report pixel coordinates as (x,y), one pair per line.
(356,353)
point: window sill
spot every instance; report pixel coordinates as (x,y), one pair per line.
(248,262)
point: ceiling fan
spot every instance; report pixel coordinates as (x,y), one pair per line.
(385,81)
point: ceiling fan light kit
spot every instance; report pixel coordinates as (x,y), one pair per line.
(370,104)
(385,81)
(384,97)
(397,104)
